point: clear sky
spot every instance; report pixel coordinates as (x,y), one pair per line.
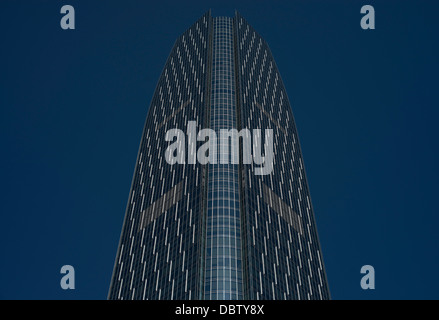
(73,104)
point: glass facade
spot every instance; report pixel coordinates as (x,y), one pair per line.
(223,278)
(218,231)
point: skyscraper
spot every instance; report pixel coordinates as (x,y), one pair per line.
(219,230)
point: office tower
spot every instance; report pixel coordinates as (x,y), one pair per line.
(219,230)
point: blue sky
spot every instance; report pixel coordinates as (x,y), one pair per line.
(73,104)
